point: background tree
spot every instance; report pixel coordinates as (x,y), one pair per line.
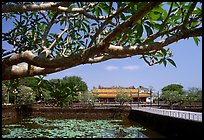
(11,87)
(173,87)
(193,95)
(172,94)
(25,95)
(123,97)
(76,86)
(41,90)
(4,93)
(49,37)
(65,91)
(87,98)
(37,84)
(75,83)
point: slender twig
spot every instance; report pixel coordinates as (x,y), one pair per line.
(185,22)
(44,16)
(110,7)
(146,60)
(44,37)
(152,37)
(168,15)
(57,38)
(106,22)
(7,53)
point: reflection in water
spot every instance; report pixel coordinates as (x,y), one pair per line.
(73,128)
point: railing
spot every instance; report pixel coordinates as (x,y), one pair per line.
(188,115)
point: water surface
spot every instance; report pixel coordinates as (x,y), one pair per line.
(74,128)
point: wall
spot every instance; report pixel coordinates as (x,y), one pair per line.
(168,126)
(15,111)
(78,113)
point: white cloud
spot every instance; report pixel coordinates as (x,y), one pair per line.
(128,67)
(131,67)
(111,68)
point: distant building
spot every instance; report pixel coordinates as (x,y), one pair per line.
(108,94)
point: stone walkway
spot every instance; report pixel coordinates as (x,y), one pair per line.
(188,115)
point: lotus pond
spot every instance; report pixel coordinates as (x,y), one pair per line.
(74,128)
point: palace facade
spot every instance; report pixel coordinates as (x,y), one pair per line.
(108,94)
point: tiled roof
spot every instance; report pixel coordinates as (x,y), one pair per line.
(109,95)
(114,90)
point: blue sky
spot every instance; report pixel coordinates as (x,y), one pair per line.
(135,72)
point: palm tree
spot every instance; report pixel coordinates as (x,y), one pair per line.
(40,88)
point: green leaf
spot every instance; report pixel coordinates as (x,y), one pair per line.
(87,26)
(148,30)
(105,7)
(164,52)
(154,15)
(98,11)
(164,62)
(93,24)
(196,39)
(172,62)
(139,30)
(123,16)
(157,26)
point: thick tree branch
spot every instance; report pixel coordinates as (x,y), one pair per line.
(58,64)
(139,50)
(33,7)
(82,57)
(21,70)
(105,57)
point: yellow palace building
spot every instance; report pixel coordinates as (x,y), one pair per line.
(108,94)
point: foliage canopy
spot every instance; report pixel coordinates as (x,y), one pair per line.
(49,37)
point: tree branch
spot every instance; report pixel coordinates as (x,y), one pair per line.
(168,15)
(138,50)
(152,37)
(105,57)
(21,70)
(57,38)
(44,16)
(82,57)
(129,22)
(33,7)
(106,22)
(44,37)
(189,13)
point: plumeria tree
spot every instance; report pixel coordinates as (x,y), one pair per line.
(88,98)
(4,94)
(47,37)
(172,94)
(25,95)
(123,97)
(193,95)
